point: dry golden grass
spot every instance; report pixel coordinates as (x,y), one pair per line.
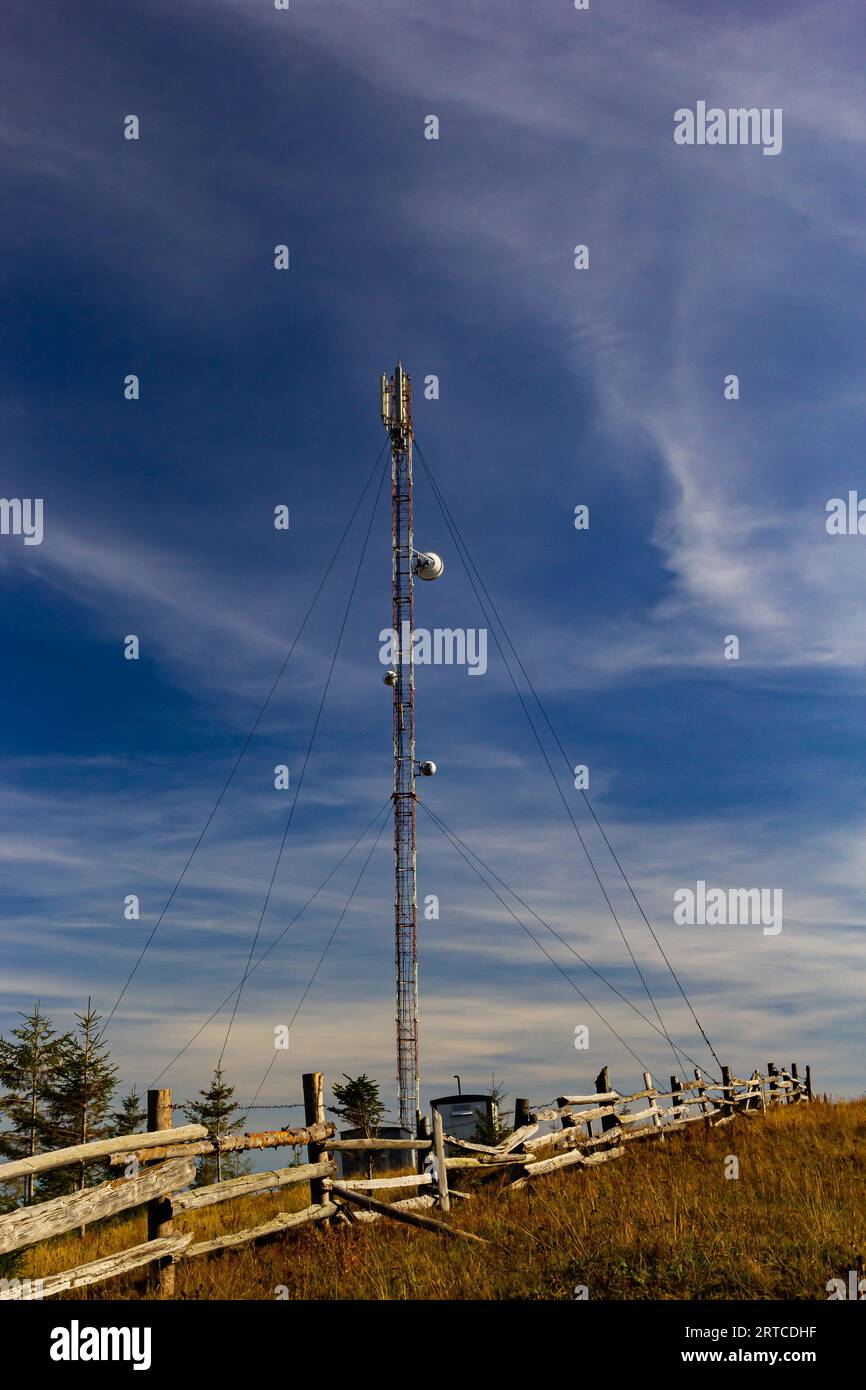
(661,1222)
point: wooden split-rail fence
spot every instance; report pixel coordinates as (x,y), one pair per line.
(160,1168)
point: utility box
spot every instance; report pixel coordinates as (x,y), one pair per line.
(463,1116)
(385,1161)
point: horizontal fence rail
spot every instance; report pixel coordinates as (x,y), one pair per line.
(31,1224)
(102,1148)
(227,1143)
(250,1185)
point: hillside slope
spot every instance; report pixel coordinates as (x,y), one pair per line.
(663,1222)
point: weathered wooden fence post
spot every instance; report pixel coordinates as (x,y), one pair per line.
(796,1089)
(727,1092)
(521,1112)
(676,1098)
(159,1222)
(705,1105)
(757,1077)
(422,1132)
(568,1121)
(808,1083)
(314,1114)
(602,1085)
(653,1100)
(772,1073)
(441,1169)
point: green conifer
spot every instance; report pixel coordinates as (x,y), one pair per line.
(218,1111)
(131,1117)
(29,1063)
(80,1103)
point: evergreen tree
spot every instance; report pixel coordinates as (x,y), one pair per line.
(492,1129)
(218,1111)
(131,1116)
(80,1103)
(360,1104)
(29,1063)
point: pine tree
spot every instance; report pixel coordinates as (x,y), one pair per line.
(131,1116)
(493,1128)
(360,1104)
(218,1112)
(80,1102)
(29,1063)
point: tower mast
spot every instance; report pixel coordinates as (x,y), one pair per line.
(403,622)
(396,410)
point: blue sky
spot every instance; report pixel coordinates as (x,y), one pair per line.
(557,387)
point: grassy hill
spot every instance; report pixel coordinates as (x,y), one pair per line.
(662,1222)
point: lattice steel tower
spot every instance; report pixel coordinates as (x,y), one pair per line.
(406,562)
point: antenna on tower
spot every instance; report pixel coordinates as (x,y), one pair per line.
(396,411)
